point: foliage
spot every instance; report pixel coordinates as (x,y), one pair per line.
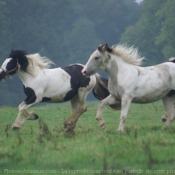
(153,33)
(165,38)
(43,145)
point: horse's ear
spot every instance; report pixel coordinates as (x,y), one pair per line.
(11,53)
(107,48)
(102,48)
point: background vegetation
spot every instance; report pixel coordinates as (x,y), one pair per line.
(42,145)
(69,31)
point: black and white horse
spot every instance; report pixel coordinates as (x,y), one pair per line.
(57,85)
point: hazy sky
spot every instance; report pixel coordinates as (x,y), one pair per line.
(139,1)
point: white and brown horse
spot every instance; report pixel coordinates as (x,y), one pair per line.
(57,85)
(129,82)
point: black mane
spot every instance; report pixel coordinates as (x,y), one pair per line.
(17,53)
(20,56)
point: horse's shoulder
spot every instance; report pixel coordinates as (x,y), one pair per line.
(74,70)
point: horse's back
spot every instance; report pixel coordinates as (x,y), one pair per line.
(154,82)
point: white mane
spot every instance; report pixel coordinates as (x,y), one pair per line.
(36,63)
(128,54)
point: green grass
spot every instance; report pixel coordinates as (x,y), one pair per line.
(43,145)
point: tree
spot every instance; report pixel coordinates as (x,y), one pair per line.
(79,40)
(111,17)
(144,33)
(4,22)
(166,37)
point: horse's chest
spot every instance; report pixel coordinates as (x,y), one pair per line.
(115,89)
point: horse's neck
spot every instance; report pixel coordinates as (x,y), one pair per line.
(115,67)
(25,77)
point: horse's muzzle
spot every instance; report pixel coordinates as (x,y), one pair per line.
(84,72)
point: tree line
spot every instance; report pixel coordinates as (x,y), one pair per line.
(69,31)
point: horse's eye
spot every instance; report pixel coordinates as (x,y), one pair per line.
(96,58)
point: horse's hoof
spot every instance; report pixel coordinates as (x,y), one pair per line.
(163,119)
(35,117)
(69,134)
(69,127)
(15,128)
(165,127)
(102,126)
(120,131)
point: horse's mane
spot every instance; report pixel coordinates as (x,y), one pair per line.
(31,63)
(128,54)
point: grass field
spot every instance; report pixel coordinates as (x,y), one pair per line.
(42,147)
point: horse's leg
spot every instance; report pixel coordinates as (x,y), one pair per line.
(165,116)
(170,112)
(74,104)
(23,112)
(110,100)
(18,122)
(126,102)
(70,123)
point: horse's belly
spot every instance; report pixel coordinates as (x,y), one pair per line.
(58,98)
(58,94)
(151,97)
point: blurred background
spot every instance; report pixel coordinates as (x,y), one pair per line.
(68,31)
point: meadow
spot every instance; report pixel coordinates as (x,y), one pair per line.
(42,146)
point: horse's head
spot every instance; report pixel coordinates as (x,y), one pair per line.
(98,60)
(12,64)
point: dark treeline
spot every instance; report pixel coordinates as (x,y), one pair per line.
(68,31)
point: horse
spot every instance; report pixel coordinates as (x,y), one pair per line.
(129,82)
(56,85)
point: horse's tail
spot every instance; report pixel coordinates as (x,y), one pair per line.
(100,91)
